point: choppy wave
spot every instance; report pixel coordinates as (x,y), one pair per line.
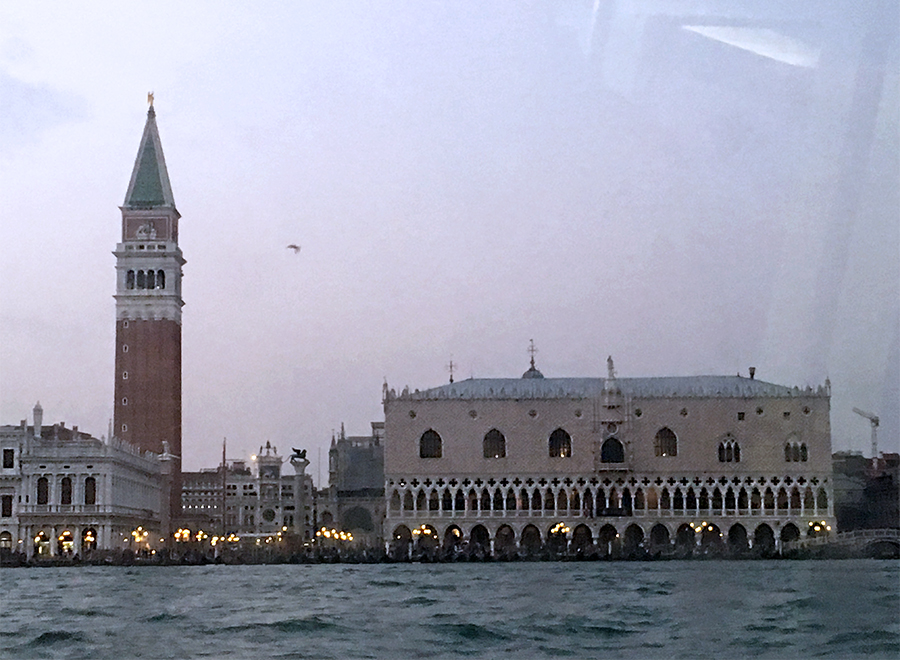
(842,609)
(56,637)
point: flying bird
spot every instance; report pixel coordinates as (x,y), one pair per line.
(295,248)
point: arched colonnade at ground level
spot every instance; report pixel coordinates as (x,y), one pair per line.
(612,538)
(67,540)
(803,497)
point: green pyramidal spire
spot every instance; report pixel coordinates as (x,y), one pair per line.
(149,185)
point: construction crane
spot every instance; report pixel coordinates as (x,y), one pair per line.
(873,420)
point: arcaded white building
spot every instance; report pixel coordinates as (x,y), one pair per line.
(64,492)
(617,465)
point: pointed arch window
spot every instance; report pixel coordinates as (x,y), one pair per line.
(729,450)
(494,444)
(795,452)
(612,451)
(560,444)
(430,445)
(665,443)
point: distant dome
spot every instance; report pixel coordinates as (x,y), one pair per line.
(532,373)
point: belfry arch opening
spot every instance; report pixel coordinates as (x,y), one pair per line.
(145,279)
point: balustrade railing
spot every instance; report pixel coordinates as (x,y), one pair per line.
(81,509)
(844,538)
(604,512)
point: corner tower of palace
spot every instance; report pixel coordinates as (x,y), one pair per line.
(148,311)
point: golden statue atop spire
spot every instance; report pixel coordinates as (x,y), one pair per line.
(150,99)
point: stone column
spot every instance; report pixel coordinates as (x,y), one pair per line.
(166,467)
(78,491)
(105,494)
(27,536)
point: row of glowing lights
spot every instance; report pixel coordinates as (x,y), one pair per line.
(705,527)
(325,533)
(269,539)
(426,531)
(65,536)
(184,535)
(562,528)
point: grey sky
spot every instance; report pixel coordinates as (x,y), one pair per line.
(692,187)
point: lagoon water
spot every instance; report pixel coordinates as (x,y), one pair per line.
(665,609)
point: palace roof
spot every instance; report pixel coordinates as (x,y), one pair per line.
(580,388)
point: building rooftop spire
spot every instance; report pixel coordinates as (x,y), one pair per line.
(149,186)
(533,370)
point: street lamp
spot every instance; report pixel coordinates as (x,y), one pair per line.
(139,535)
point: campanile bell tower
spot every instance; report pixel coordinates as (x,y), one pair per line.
(148,311)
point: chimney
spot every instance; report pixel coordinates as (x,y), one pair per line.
(752,372)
